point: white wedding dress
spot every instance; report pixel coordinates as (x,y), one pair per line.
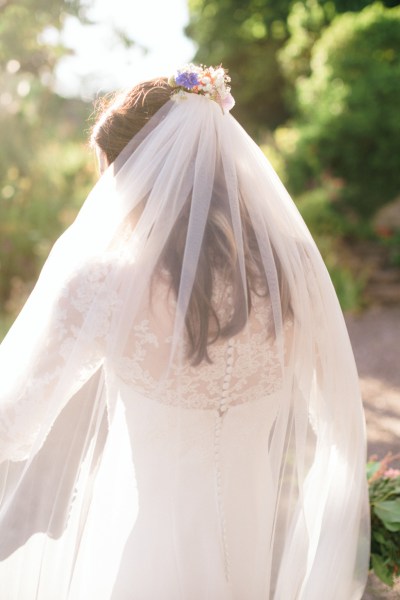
(220,515)
(185,484)
(126,472)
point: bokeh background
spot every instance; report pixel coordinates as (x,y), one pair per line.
(317,84)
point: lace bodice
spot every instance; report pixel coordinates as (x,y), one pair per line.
(242,369)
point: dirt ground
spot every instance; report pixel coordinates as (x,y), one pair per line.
(375,336)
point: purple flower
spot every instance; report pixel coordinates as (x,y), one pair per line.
(187,80)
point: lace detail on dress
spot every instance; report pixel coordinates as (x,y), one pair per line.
(76,317)
(255,369)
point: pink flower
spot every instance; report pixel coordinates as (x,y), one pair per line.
(227,103)
(392,473)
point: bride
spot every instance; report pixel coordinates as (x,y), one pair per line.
(180,416)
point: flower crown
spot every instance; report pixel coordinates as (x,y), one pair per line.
(211,82)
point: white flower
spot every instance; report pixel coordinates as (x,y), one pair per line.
(210,82)
(179,95)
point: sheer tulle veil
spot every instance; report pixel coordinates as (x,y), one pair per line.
(62,432)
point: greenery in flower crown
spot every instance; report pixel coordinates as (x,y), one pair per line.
(384,496)
(211,82)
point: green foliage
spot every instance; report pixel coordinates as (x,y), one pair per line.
(393,245)
(21,25)
(36,205)
(328,228)
(348,126)
(245,37)
(349,288)
(384,495)
(320,215)
(45,169)
(306,22)
(5,324)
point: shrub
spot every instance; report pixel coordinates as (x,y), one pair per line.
(348,125)
(328,227)
(37,204)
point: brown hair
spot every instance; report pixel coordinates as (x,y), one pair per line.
(124,114)
(121,117)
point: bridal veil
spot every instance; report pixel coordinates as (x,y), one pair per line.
(61,429)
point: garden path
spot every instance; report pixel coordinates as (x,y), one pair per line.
(375,336)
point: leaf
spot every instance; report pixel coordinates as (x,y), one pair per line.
(392,526)
(372,468)
(389,513)
(379,537)
(381,570)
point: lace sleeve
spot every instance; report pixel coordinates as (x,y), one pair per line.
(69,350)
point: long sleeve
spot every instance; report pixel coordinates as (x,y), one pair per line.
(67,352)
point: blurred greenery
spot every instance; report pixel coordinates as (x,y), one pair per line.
(247,36)
(347,124)
(328,227)
(45,167)
(315,84)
